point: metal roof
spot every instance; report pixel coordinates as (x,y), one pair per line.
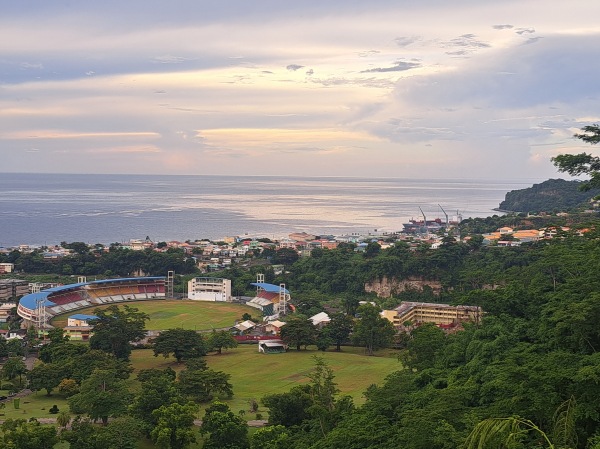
(271,288)
(83,316)
(30,301)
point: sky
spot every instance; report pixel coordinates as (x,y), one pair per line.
(378,88)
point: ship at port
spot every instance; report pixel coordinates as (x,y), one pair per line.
(431,226)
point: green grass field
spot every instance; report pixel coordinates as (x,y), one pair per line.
(255,375)
(169,314)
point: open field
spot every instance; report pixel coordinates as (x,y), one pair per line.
(255,375)
(169,314)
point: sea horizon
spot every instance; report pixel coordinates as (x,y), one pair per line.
(48,208)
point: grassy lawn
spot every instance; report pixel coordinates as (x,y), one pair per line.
(255,375)
(169,314)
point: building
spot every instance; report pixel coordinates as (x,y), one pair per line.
(209,289)
(7,268)
(11,289)
(78,328)
(5,310)
(440,314)
(272,346)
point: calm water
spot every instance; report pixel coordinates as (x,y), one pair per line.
(44,209)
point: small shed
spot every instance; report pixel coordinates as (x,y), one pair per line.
(272,346)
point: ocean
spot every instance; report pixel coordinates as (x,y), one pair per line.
(46,209)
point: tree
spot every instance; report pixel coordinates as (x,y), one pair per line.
(63,419)
(45,376)
(181,343)
(175,425)
(102,395)
(120,433)
(286,256)
(339,328)
(372,331)
(270,437)
(298,331)
(583,163)
(20,434)
(202,384)
(218,340)
(288,409)
(503,432)
(225,429)
(158,388)
(116,328)
(14,367)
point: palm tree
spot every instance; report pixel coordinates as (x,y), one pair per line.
(509,432)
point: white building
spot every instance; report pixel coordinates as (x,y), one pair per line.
(209,289)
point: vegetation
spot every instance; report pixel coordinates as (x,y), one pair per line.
(553,195)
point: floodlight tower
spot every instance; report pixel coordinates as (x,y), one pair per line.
(169,287)
(41,316)
(283,299)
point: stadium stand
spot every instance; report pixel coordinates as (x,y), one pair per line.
(66,298)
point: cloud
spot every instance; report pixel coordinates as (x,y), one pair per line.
(310,72)
(468,41)
(405,41)
(502,27)
(521,31)
(532,40)
(364,54)
(399,66)
(294,67)
(61,134)
(170,59)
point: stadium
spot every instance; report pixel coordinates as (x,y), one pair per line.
(38,308)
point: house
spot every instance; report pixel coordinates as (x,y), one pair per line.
(320,319)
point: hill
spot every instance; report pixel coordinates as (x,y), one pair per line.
(553,195)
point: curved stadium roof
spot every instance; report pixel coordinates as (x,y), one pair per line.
(30,301)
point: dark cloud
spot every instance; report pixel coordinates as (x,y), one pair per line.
(502,27)
(399,66)
(404,41)
(294,67)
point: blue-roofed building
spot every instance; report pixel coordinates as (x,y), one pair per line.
(270,299)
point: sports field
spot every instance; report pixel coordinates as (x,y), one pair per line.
(169,314)
(255,375)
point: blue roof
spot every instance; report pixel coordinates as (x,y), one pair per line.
(30,301)
(83,316)
(271,288)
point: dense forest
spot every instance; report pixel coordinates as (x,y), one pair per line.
(553,195)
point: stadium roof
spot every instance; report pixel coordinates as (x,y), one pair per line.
(30,301)
(271,288)
(83,316)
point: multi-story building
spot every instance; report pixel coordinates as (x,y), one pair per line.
(209,289)
(440,314)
